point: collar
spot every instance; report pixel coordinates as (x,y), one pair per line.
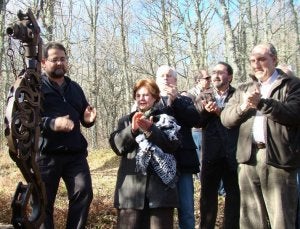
(219,93)
(271,79)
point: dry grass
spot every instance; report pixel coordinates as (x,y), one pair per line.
(103,165)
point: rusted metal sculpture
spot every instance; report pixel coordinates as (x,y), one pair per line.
(22,122)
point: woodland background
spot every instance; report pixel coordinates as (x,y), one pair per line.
(112,43)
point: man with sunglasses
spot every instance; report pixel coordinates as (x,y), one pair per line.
(202,82)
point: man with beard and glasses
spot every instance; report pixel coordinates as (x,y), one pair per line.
(63,148)
(218,152)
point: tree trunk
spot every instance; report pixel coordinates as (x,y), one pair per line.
(231,41)
(296,26)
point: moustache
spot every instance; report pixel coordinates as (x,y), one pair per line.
(217,79)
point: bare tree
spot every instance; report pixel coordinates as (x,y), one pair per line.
(295,22)
(4,75)
(230,39)
(163,28)
(112,46)
(47,16)
(92,9)
(252,21)
(3,4)
(121,7)
(195,17)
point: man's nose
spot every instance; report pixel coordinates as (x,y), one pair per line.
(255,63)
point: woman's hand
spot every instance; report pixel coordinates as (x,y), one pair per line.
(134,123)
(145,124)
(139,121)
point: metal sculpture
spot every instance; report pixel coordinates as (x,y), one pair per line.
(22,121)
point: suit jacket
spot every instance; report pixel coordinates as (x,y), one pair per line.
(218,142)
(281,111)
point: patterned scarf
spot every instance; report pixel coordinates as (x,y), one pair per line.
(164,164)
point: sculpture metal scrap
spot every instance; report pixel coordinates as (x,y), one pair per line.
(22,123)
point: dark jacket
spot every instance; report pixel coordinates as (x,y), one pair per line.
(281,111)
(132,188)
(218,142)
(55,103)
(187,117)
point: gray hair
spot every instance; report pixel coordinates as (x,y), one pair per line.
(271,49)
(164,68)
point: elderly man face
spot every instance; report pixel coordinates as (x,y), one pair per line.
(262,62)
(165,79)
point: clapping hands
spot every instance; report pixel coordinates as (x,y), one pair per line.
(139,121)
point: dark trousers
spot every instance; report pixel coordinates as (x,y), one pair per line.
(75,172)
(211,175)
(148,218)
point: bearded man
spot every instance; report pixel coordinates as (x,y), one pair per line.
(63,148)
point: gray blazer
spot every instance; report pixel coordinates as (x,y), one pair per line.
(281,111)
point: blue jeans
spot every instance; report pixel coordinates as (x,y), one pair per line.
(298,207)
(197,136)
(221,190)
(185,188)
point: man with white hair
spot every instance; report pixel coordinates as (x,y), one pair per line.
(183,109)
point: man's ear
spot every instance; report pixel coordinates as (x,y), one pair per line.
(230,78)
(275,59)
(43,63)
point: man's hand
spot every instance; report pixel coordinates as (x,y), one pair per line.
(172,93)
(62,124)
(250,100)
(90,114)
(211,107)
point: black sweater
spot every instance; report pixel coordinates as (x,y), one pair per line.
(56,102)
(187,116)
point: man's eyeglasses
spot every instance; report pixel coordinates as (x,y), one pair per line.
(219,73)
(206,79)
(56,60)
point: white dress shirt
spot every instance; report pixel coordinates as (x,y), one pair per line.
(258,124)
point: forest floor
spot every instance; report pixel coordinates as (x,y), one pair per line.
(103,165)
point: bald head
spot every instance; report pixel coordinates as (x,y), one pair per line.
(263,60)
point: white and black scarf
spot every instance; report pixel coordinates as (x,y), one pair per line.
(164,164)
